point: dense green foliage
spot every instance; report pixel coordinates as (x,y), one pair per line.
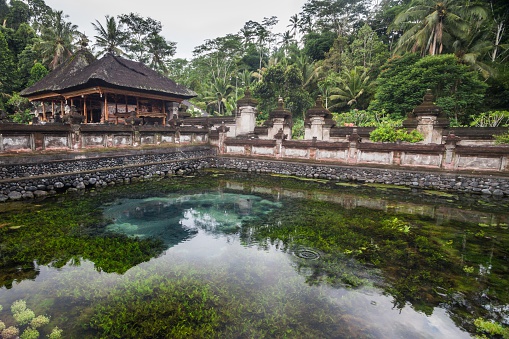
(404,80)
(357,56)
(389,133)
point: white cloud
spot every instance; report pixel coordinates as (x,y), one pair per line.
(189,23)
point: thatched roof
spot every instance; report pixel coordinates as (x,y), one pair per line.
(82,71)
(52,82)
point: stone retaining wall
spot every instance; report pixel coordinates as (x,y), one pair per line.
(485,184)
(32,179)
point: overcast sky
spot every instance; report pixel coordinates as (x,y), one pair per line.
(187,22)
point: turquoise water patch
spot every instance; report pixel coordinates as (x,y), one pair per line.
(176,218)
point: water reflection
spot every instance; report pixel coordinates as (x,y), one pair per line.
(270,261)
(177,218)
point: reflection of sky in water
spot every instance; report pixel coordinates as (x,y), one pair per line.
(176,218)
(206,228)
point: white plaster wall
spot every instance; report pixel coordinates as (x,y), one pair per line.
(479,163)
(263,151)
(122,140)
(89,140)
(296,153)
(421,159)
(148,139)
(167,138)
(476,142)
(325,154)
(235,149)
(19,142)
(376,157)
(185,138)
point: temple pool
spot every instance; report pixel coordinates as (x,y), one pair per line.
(238,255)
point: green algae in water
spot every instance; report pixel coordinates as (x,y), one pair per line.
(253,256)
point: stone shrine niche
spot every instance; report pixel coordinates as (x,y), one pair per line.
(318,122)
(428,119)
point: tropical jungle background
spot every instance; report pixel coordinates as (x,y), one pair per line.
(370,60)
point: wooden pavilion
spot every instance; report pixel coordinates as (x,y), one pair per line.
(107,90)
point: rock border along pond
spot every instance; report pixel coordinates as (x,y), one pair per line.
(35,176)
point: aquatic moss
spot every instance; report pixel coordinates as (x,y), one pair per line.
(410,257)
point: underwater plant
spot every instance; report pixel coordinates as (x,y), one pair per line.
(27,324)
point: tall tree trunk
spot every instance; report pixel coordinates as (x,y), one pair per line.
(498,38)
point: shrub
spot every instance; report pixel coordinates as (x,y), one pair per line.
(502,138)
(388,133)
(491,119)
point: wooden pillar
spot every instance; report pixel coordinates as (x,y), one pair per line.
(126,107)
(62,109)
(106,111)
(53,109)
(116,109)
(85,109)
(164,112)
(43,112)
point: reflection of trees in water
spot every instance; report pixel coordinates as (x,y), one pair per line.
(423,265)
(9,275)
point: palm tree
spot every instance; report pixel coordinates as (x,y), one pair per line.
(308,69)
(159,52)
(328,82)
(352,85)
(247,36)
(294,25)
(471,50)
(246,78)
(111,38)
(286,41)
(305,23)
(56,43)
(431,25)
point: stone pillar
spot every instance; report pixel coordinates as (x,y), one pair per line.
(246,120)
(278,124)
(223,131)
(353,146)
(318,122)
(450,151)
(316,130)
(280,119)
(136,136)
(428,119)
(246,114)
(75,137)
(280,137)
(425,127)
